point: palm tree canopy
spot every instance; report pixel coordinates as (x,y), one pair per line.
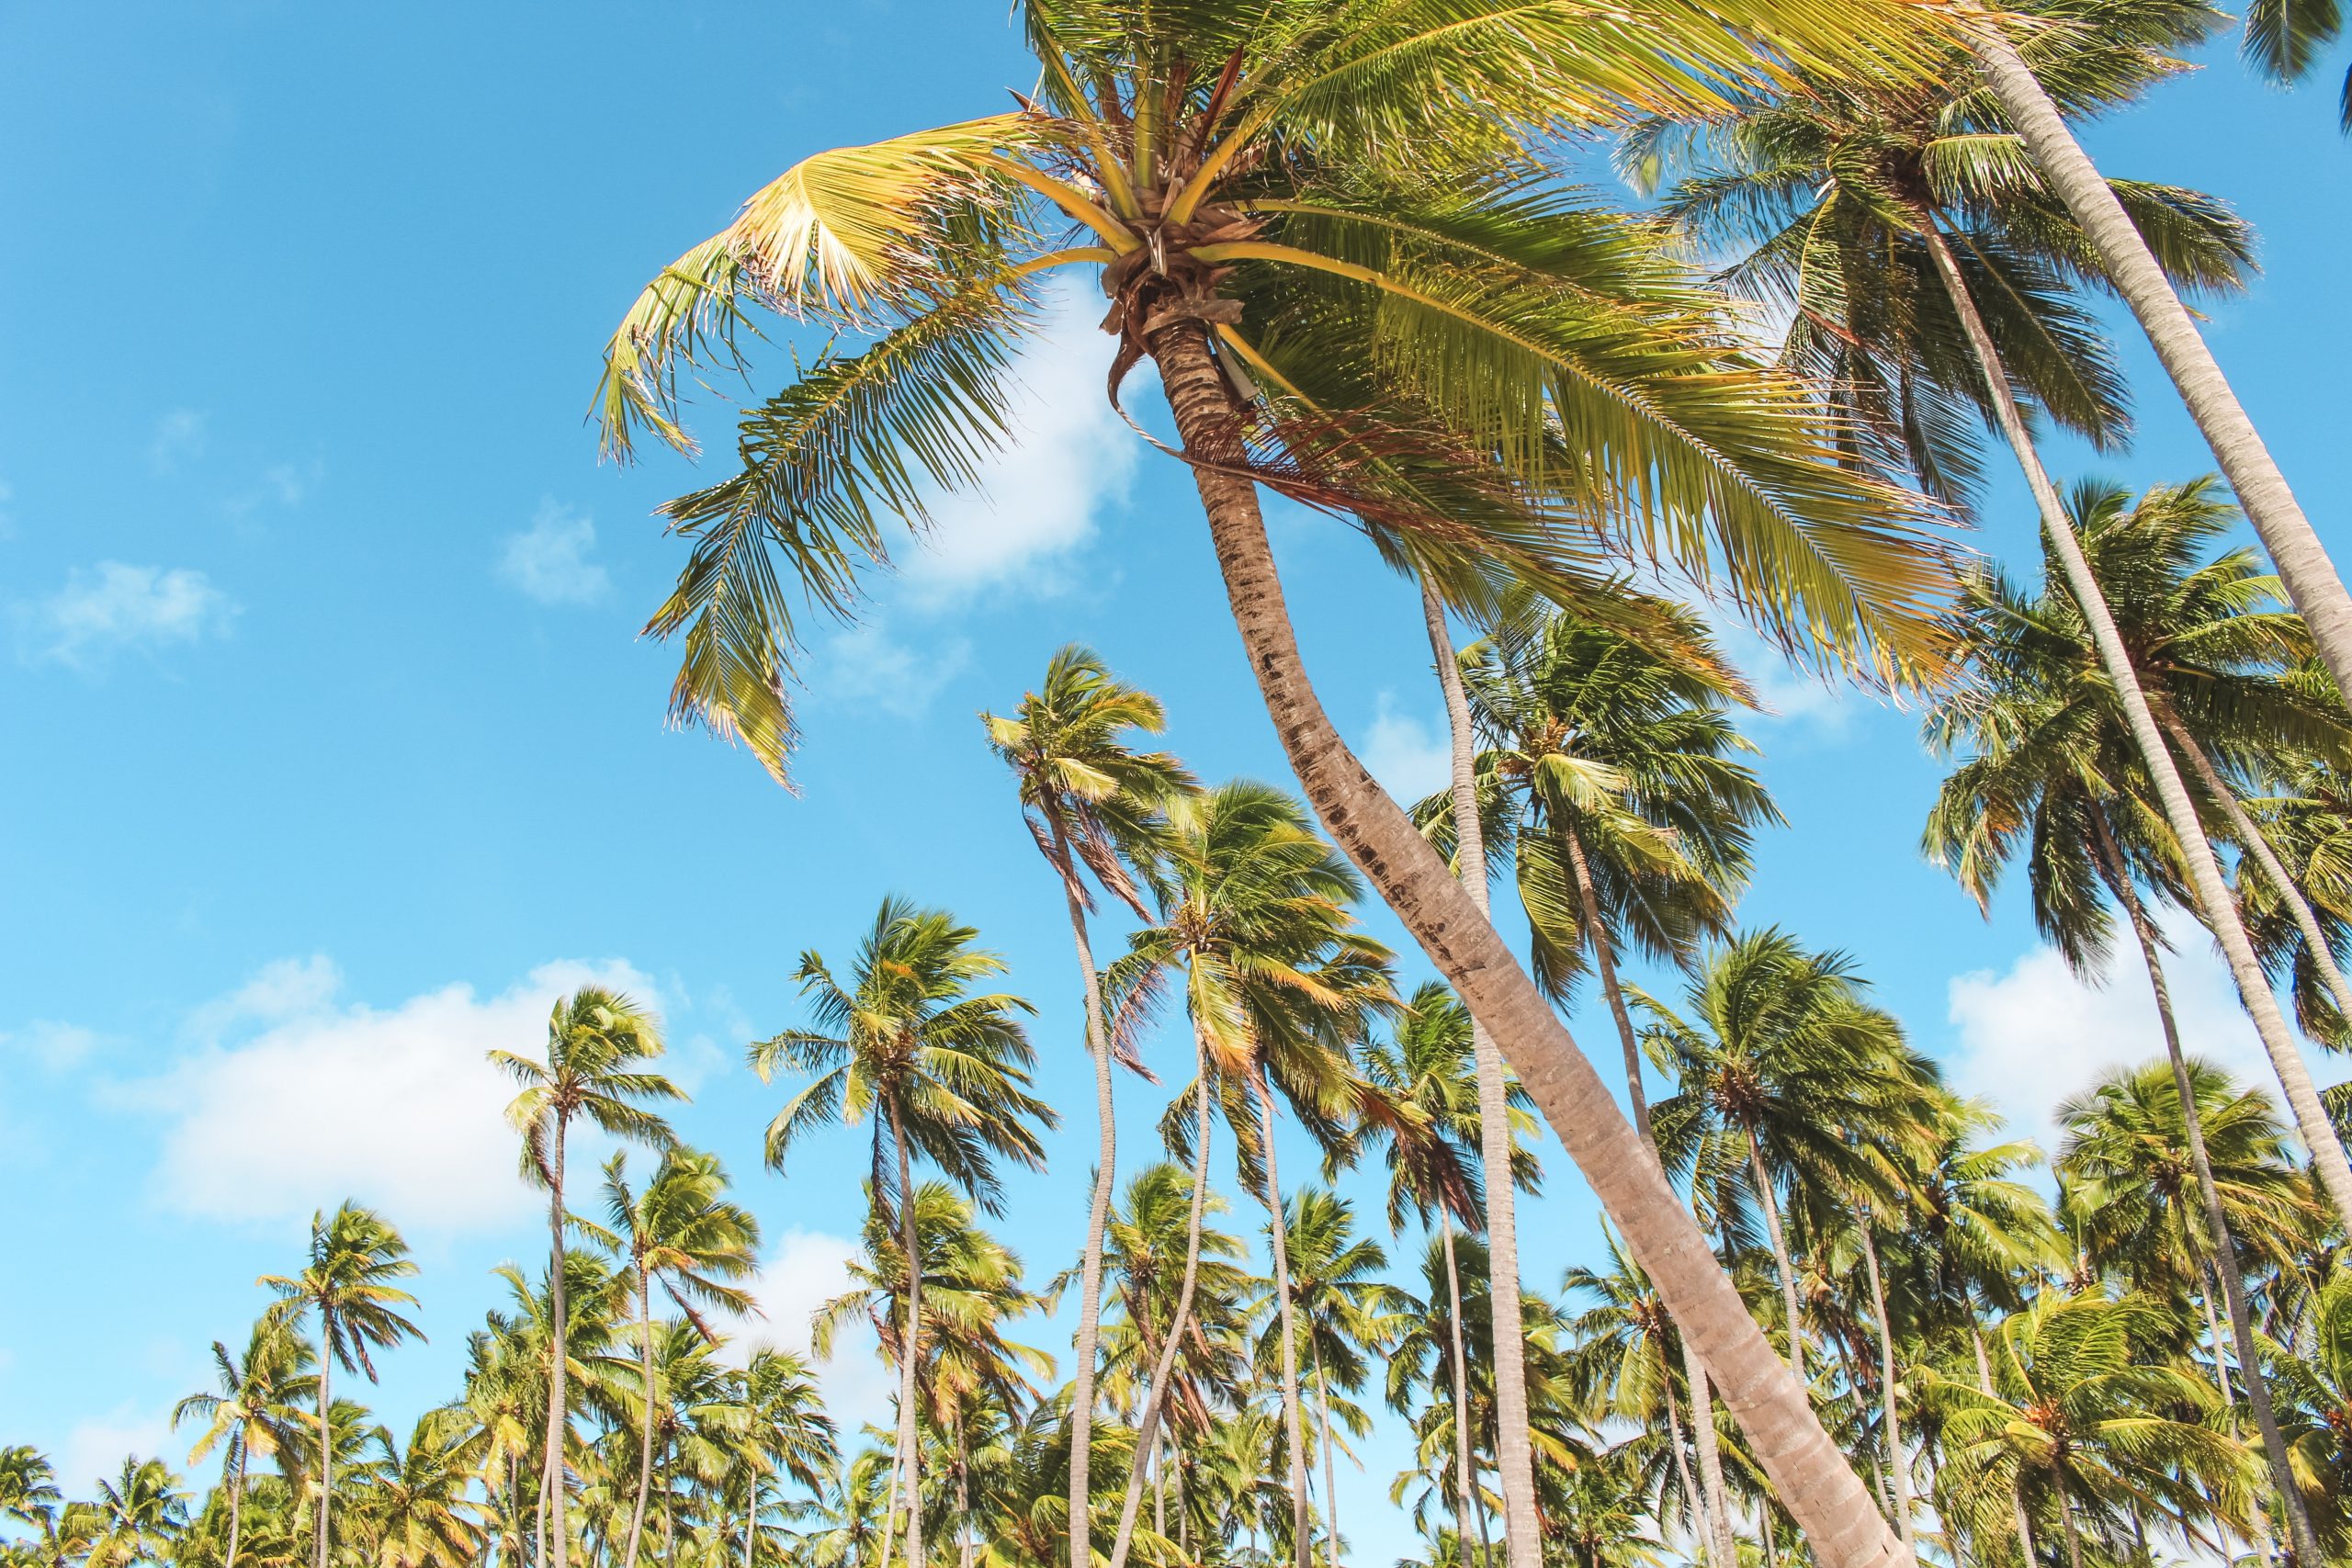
(598,1043)
(355,1257)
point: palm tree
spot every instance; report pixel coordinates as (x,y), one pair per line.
(347,1282)
(1603,1522)
(598,1043)
(1535,364)
(2129,262)
(682,1233)
(137,1518)
(1091,802)
(418,1513)
(1349,1315)
(2316,1405)
(28,1493)
(789,1431)
(941,1070)
(1277,983)
(2082,1427)
(249,1412)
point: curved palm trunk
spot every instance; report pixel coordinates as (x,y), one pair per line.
(1711,1459)
(1817,1483)
(1604,958)
(645,1443)
(2257,843)
(555,1550)
(1465,1497)
(890,1494)
(1781,1262)
(1090,1274)
(911,1354)
(2303,566)
(326,1433)
(2217,1223)
(1514,1446)
(236,1503)
(1154,1403)
(2213,900)
(1293,1426)
(2023,1523)
(1898,1465)
(1330,1485)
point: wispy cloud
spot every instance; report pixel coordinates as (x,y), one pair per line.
(115,607)
(866,666)
(178,437)
(49,1044)
(550,561)
(1409,756)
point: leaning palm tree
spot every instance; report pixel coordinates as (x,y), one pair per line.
(943,1073)
(683,1234)
(598,1043)
(249,1411)
(347,1284)
(1320,221)
(1091,802)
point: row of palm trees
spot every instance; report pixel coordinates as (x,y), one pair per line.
(1340,229)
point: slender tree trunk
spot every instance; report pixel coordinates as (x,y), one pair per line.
(890,1493)
(963,1498)
(1898,1465)
(645,1443)
(1695,1517)
(2073,1539)
(1293,1426)
(1816,1481)
(1089,1286)
(2024,1524)
(2303,566)
(1514,1444)
(1984,1363)
(1323,1436)
(1711,1458)
(2217,1223)
(326,1432)
(1604,958)
(236,1503)
(2211,1288)
(2212,895)
(1464,1484)
(751,1522)
(2257,844)
(1160,1488)
(1154,1403)
(555,1549)
(1782,1262)
(911,1353)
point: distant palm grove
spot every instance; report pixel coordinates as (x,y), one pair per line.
(1839,1314)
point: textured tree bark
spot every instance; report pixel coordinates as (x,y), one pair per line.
(1330,1484)
(1514,1447)
(1711,1460)
(1089,1289)
(1812,1478)
(2303,566)
(1465,1494)
(2214,903)
(2257,843)
(1695,1516)
(1301,1540)
(1154,1403)
(2217,1221)
(1898,1464)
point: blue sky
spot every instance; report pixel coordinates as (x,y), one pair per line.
(334,754)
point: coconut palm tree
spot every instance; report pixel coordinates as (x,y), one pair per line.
(1349,1317)
(598,1044)
(250,1411)
(1091,802)
(1146,1246)
(2315,1405)
(138,1516)
(28,1492)
(789,1432)
(2305,816)
(347,1284)
(942,1072)
(1493,377)
(417,1512)
(2082,1430)
(685,1234)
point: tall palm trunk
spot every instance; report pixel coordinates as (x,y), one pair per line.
(2217,1221)
(555,1550)
(1695,1517)
(2303,566)
(2257,843)
(1514,1443)
(1330,1484)
(326,1433)
(1090,1274)
(752,1517)
(645,1442)
(1293,1426)
(2213,900)
(1711,1459)
(910,1352)
(1788,1439)
(1898,1464)
(890,1493)
(1464,1483)
(1781,1262)
(236,1502)
(2024,1524)
(1154,1402)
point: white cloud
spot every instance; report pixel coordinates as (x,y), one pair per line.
(803,1270)
(95,1449)
(866,666)
(322,1099)
(117,606)
(550,561)
(53,1046)
(1411,759)
(2034,1034)
(1790,696)
(1067,455)
(179,436)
